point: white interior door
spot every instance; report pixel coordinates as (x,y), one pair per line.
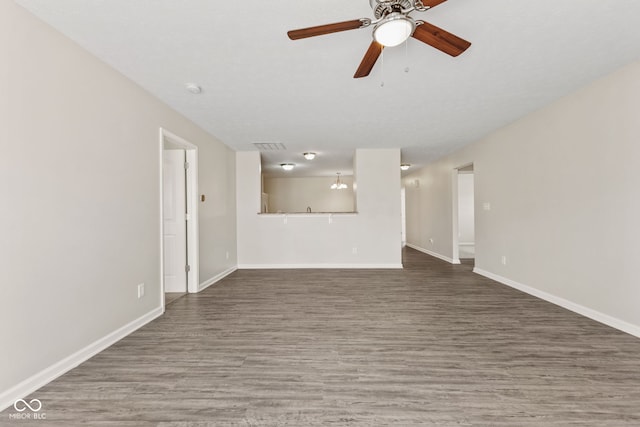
(174,221)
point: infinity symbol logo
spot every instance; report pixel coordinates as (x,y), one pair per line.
(37,405)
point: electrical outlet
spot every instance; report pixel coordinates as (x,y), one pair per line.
(431,240)
(354,251)
(504,260)
(486,206)
(140,290)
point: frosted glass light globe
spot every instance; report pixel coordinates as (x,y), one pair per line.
(394,30)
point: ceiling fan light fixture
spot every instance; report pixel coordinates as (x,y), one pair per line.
(309,155)
(394,29)
(391,27)
(287,166)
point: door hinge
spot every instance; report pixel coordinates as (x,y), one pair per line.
(186,165)
(187,268)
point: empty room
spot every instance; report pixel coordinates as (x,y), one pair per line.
(363,213)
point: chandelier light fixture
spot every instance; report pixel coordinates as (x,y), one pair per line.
(338,185)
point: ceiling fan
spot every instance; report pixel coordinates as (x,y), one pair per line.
(392,26)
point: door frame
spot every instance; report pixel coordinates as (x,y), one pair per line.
(191,156)
(403,215)
(455,211)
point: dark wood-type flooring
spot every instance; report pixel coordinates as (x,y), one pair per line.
(433,344)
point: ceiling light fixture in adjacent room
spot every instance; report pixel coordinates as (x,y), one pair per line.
(287,166)
(309,155)
(405,166)
(339,185)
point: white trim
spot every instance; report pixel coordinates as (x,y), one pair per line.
(161,213)
(191,153)
(434,254)
(334,266)
(44,377)
(216,278)
(455,217)
(569,305)
(455,209)
(193,233)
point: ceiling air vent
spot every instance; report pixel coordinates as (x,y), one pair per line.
(269,146)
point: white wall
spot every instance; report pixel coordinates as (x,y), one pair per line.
(429,209)
(562,184)
(80,189)
(217,214)
(466,231)
(317,240)
(296,194)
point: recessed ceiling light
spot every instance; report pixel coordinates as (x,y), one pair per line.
(309,155)
(287,166)
(405,166)
(193,88)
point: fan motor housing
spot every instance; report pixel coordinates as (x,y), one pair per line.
(381,7)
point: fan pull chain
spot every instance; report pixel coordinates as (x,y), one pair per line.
(382,65)
(406,55)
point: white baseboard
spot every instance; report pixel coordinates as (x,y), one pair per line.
(42,378)
(434,254)
(569,305)
(216,278)
(334,266)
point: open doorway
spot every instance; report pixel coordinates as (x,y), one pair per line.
(464,214)
(403,215)
(179,225)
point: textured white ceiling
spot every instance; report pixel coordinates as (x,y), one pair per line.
(259,86)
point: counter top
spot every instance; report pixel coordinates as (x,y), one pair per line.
(306,213)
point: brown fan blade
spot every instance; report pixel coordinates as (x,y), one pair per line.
(327,29)
(440,39)
(369,60)
(432,3)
